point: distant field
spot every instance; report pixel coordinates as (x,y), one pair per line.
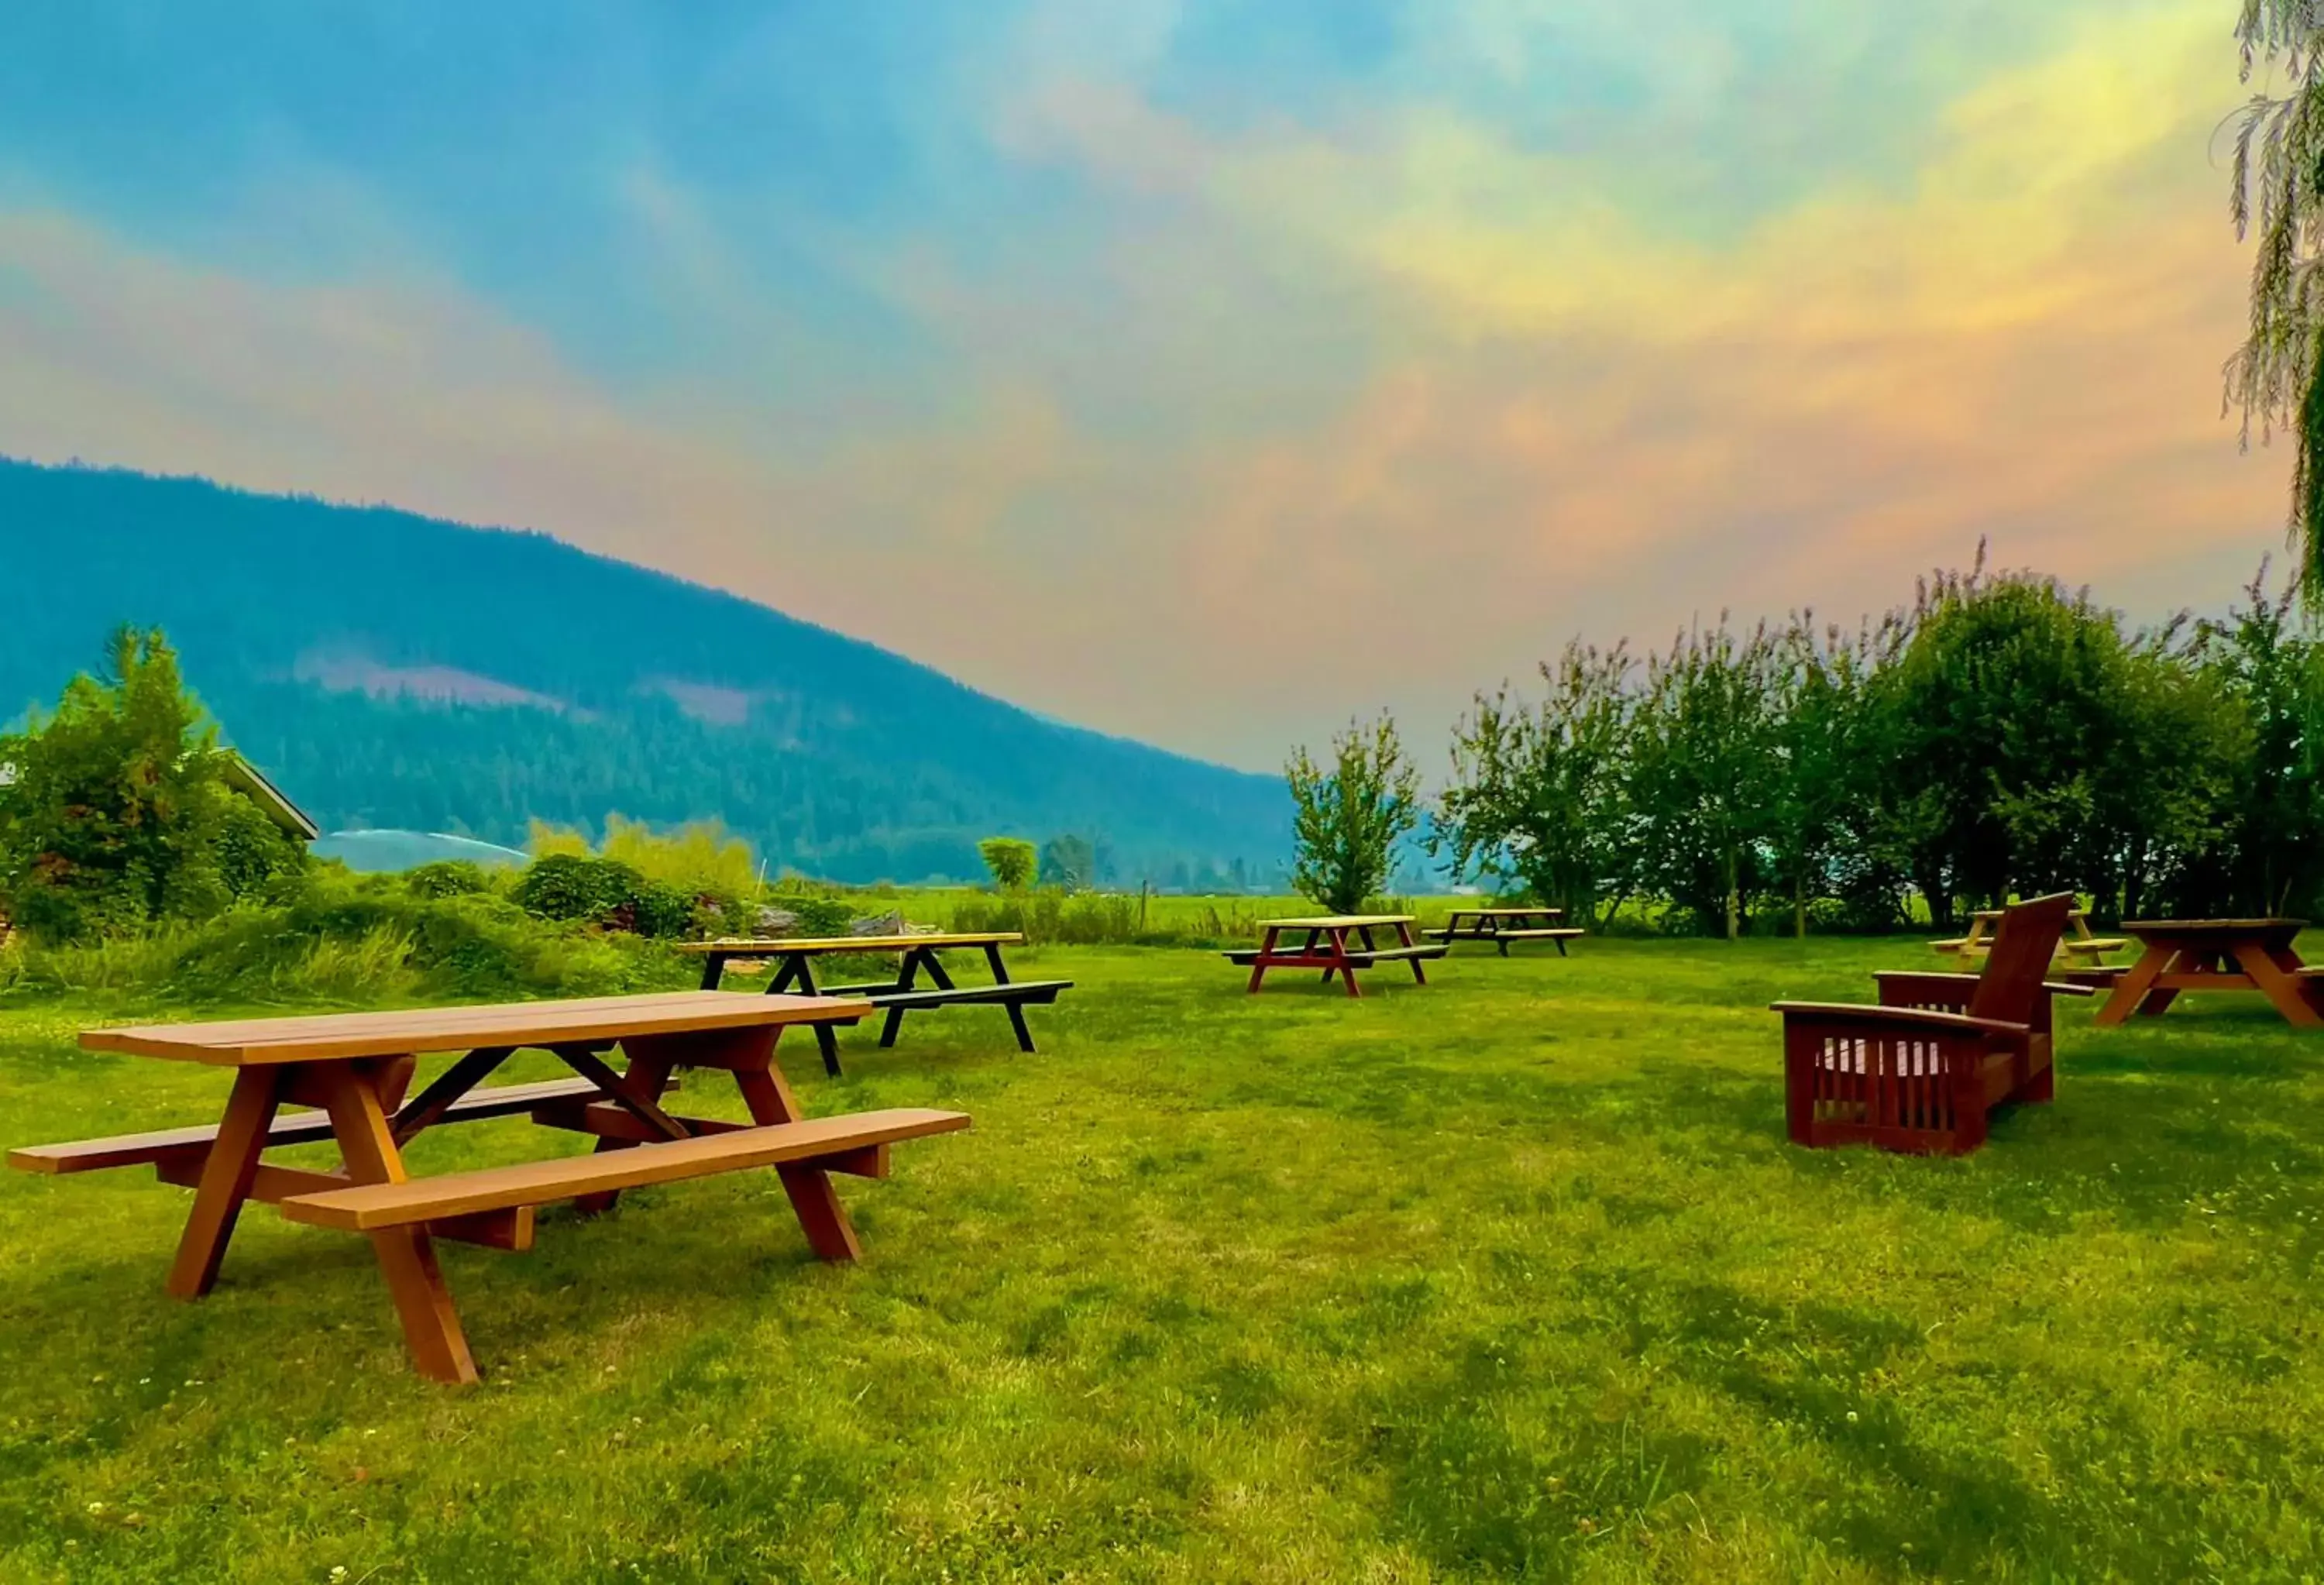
(1220,918)
(1510,1277)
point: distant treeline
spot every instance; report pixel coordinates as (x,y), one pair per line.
(2002,734)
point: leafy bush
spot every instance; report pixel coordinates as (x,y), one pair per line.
(447,878)
(566,886)
(813,913)
(353,942)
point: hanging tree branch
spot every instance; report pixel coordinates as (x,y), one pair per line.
(2278,195)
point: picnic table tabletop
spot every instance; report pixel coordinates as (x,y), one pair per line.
(355,1069)
(418,1031)
(824,946)
(1505,911)
(1339,921)
(2216,954)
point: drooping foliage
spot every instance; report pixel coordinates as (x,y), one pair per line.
(2277,196)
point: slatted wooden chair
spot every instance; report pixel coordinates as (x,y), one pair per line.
(1922,1071)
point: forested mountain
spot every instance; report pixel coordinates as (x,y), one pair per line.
(391,671)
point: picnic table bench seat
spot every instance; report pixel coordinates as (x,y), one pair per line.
(830,1144)
(289,1127)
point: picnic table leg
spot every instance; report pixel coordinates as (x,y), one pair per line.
(911,970)
(713,969)
(1347,969)
(646,1079)
(1404,937)
(813,1198)
(2134,985)
(406,1256)
(226,1175)
(2289,995)
(826,1040)
(1259,964)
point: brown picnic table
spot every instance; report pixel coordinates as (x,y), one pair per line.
(357,1069)
(1503,925)
(2216,954)
(1327,947)
(794,957)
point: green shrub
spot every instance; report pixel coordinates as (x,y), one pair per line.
(447,878)
(565,886)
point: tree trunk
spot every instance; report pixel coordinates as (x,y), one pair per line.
(1733,901)
(1800,907)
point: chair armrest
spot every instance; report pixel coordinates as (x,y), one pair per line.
(1897,1017)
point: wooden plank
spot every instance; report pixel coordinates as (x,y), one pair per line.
(1341,921)
(1016,990)
(372,1207)
(608,1121)
(334,1037)
(826,945)
(292,1128)
(508,1230)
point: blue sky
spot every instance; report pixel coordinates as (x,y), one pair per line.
(1108,356)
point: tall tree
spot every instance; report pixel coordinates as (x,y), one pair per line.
(1703,769)
(1010,859)
(2275,377)
(113,811)
(1347,821)
(1537,794)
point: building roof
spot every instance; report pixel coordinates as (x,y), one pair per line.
(251,782)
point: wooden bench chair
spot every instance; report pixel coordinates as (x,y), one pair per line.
(1922,1071)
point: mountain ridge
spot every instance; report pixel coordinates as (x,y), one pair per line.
(395,669)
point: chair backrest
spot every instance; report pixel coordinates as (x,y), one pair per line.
(2020,960)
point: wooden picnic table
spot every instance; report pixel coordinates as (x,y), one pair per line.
(1327,948)
(2216,954)
(2078,943)
(356,1068)
(1502,924)
(795,956)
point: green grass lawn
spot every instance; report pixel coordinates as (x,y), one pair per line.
(1513,1277)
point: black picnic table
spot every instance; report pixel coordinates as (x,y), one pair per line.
(794,957)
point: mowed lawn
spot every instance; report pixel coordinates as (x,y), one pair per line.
(1513,1277)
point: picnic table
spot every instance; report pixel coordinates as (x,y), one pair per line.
(796,956)
(356,1068)
(1327,948)
(2076,943)
(2216,954)
(1502,925)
